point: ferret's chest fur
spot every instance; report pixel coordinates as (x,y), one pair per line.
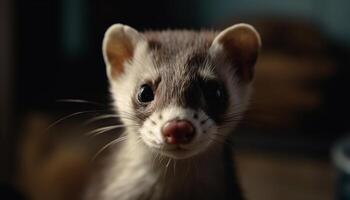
(142,175)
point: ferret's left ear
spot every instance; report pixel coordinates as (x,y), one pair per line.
(239,45)
(119,44)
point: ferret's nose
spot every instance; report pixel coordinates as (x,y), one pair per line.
(178,132)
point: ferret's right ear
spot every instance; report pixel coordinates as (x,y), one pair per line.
(240,45)
(119,44)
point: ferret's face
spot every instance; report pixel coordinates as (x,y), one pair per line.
(180,92)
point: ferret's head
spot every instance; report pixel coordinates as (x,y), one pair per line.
(179,92)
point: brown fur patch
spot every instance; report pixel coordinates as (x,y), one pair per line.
(242,50)
(117,54)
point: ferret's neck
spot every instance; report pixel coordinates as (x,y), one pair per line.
(139,173)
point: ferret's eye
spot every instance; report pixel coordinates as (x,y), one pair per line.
(214,92)
(145,94)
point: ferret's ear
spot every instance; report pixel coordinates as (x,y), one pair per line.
(239,45)
(119,44)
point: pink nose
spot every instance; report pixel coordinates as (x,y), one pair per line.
(178,132)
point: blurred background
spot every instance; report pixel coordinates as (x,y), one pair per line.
(50,53)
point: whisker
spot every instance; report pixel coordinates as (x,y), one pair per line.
(138,140)
(174,166)
(120,139)
(100,118)
(235,114)
(129,115)
(70,116)
(167,165)
(79,101)
(107,128)
(219,141)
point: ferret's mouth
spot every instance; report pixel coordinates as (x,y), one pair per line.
(176,152)
(176,148)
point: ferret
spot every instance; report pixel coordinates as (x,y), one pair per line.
(179,94)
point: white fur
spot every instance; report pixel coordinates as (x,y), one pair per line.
(116,34)
(152,135)
(123,88)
